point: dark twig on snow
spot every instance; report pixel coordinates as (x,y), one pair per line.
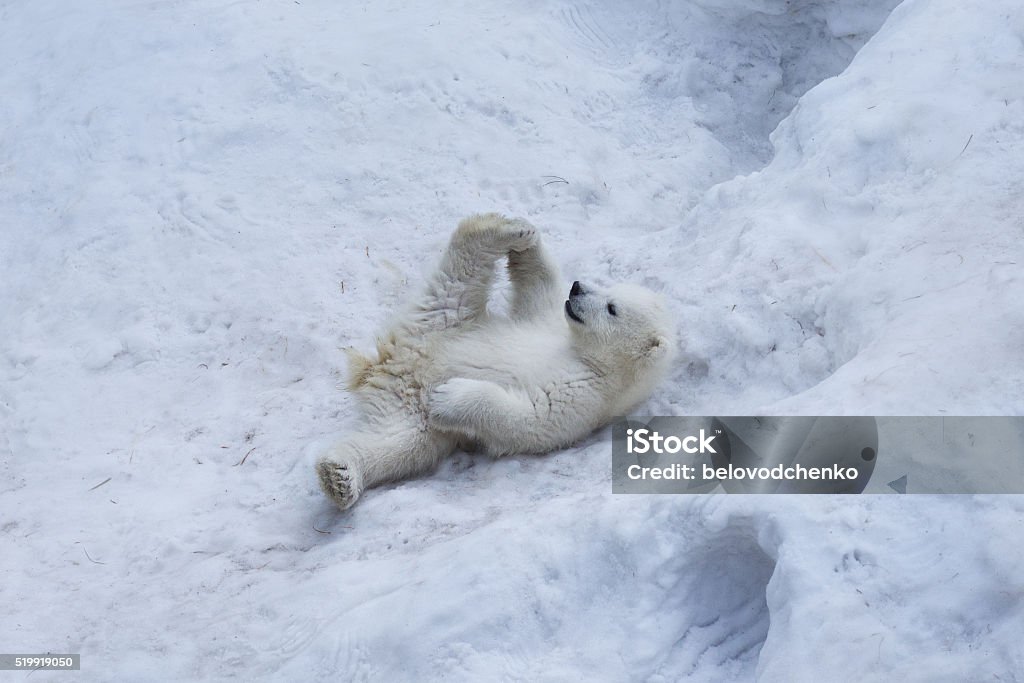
(100,484)
(242,461)
(965,146)
(90,556)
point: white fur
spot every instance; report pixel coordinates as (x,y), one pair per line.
(450,375)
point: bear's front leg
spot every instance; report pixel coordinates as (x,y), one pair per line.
(506,420)
(459,290)
(482,410)
(537,288)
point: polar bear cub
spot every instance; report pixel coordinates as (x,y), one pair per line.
(450,375)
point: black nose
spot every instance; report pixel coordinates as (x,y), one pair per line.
(576,289)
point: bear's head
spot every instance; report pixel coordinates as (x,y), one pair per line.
(625,331)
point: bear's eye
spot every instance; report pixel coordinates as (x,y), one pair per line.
(611,309)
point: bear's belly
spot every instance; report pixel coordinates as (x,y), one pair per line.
(530,357)
(511,355)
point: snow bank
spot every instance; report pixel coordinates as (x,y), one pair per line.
(874,266)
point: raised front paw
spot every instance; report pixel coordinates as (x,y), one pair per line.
(497,232)
(520,234)
(341,481)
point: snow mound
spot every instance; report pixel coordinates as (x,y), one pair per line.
(872,267)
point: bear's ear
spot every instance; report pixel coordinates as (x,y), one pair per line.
(657,347)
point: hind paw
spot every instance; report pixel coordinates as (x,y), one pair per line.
(340,481)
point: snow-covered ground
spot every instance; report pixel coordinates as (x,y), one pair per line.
(202,201)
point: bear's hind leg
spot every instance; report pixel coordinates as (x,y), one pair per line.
(365,460)
(339,477)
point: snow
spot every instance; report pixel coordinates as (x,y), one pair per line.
(202,202)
